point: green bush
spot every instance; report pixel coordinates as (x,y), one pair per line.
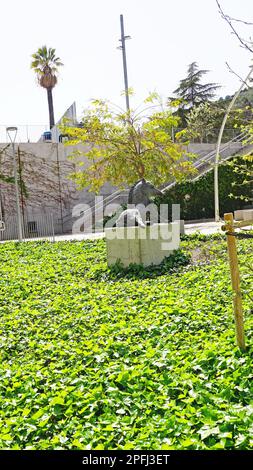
(200,201)
(171,264)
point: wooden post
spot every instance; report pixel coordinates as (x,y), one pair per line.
(235,278)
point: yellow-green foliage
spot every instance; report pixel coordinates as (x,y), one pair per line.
(142,359)
(124,147)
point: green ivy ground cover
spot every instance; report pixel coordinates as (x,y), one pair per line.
(93,359)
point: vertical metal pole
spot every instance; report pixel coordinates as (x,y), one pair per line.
(123,43)
(59,183)
(2,225)
(218,145)
(1,214)
(52,227)
(21,190)
(20,231)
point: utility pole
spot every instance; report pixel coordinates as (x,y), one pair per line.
(123,48)
(12,133)
(218,145)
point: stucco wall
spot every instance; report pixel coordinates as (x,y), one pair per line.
(45,169)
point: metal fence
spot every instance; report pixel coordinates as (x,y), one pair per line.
(34,132)
(38,227)
(209,137)
(26,133)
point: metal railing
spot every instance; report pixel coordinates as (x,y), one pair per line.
(26,133)
(37,227)
(33,132)
(229,145)
(208,137)
(207,160)
(97,206)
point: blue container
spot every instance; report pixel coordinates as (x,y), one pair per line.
(47,135)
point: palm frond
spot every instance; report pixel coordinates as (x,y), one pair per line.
(45,57)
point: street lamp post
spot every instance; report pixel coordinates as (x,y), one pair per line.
(123,48)
(218,145)
(12,133)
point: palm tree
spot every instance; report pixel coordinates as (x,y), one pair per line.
(45,64)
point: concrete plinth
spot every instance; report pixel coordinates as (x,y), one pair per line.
(243,214)
(147,246)
(238,215)
(248,214)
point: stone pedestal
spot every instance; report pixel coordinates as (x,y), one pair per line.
(248,214)
(243,214)
(147,246)
(182,228)
(238,214)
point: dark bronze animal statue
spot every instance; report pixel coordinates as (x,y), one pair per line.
(140,195)
(141,192)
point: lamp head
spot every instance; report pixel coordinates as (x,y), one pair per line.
(12,131)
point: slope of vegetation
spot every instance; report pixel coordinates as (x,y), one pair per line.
(142,359)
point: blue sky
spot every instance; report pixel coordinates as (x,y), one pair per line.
(166,36)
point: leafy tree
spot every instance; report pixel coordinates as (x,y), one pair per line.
(202,121)
(45,63)
(244,100)
(124,147)
(191,91)
(241,113)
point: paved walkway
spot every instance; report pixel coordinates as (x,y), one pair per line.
(207,228)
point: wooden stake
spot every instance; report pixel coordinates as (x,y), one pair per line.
(235,279)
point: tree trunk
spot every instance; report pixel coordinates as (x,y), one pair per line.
(50,107)
(141,170)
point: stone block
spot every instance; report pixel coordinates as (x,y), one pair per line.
(147,246)
(248,214)
(182,230)
(238,215)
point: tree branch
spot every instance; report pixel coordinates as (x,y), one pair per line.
(237,75)
(230,21)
